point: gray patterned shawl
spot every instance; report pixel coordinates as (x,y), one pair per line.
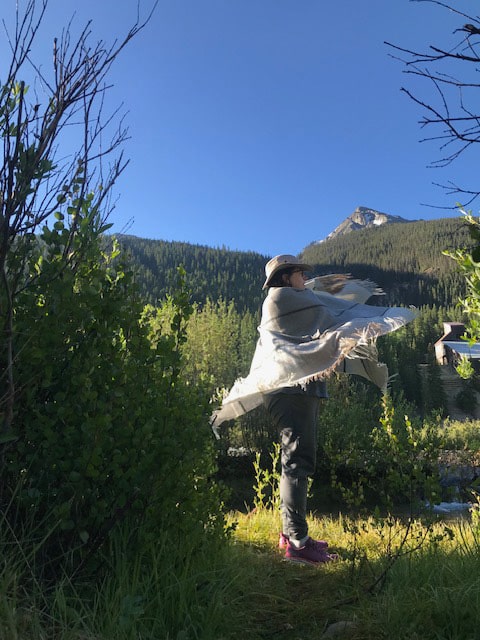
(307,334)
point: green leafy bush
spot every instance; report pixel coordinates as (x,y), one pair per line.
(371,451)
(104,425)
(466,399)
(461,435)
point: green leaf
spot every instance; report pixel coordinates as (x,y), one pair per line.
(476,254)
(84,536)
(7,437)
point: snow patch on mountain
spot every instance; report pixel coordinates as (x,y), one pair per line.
(362,218)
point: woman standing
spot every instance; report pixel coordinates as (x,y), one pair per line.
(309,328)
(294,410)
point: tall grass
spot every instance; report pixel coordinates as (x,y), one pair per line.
(245,590)
(171,592)
(396,579)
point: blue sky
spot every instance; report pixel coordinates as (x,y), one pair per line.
(262,124)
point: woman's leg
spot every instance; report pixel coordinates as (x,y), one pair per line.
(296,418)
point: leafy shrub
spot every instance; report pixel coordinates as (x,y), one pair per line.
(466,399)
(371,451)
(104,425)
(461,435)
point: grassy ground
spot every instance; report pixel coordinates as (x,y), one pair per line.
(393,581)
(431,591)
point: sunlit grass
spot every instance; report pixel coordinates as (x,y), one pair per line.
(430,591)
(247,591)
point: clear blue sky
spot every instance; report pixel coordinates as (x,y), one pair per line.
(262,124)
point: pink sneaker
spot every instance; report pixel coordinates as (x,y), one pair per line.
(284,539)
(310,553)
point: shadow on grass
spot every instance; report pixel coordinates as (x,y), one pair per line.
(429,592)
(281,599)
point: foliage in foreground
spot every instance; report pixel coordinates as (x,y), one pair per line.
(429,592)
(468,264)
(105,427)
(397,577)
(245,590)
(97,426)
(168,590)
(248,591)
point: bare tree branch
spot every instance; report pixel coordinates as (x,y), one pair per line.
(451,112)
(40,175)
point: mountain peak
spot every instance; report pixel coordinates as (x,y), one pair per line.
(362,218)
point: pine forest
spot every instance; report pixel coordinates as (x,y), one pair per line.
(406,260)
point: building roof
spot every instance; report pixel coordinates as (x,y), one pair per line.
(463,348)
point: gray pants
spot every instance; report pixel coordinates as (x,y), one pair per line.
(296,419)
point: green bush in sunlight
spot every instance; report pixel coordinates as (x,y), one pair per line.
(105,427)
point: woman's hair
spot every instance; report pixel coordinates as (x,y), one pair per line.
(277,281)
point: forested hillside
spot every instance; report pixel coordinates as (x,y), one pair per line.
(405,259)
(211,273)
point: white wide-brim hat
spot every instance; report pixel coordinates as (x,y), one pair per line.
(282,262)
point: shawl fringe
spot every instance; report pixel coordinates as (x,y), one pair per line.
(308,334)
